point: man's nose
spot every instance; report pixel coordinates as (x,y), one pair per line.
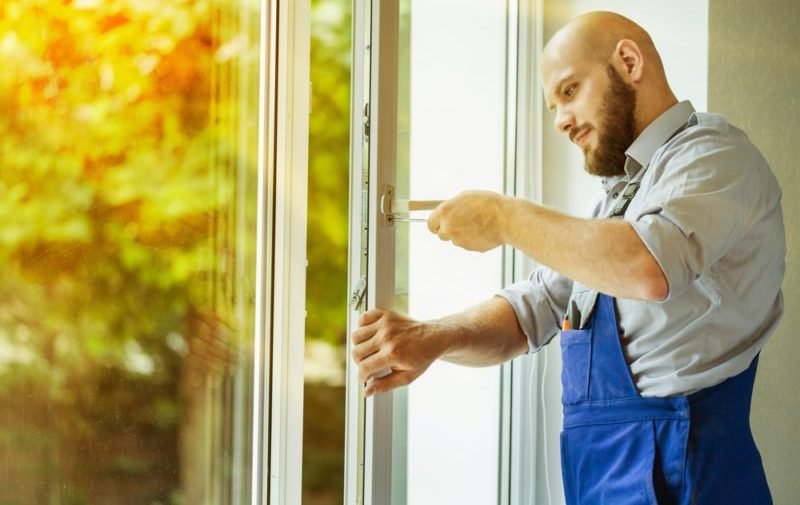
(564,120)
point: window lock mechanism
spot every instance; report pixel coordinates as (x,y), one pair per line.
(397,210)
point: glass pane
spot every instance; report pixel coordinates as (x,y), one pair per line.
(128,146)
(451,113)
(326,281)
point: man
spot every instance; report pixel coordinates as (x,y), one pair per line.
(670,290)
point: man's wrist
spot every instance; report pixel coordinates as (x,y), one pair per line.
(442,334)
(505,226)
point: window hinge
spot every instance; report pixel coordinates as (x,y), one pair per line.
(366,122)
(358,295)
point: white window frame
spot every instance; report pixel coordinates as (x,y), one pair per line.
(373,159)
(368,467)
(528,475)
(284,92)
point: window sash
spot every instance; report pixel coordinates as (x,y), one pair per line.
(370,432)
(280,294)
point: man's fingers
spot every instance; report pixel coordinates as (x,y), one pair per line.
(370,317)
(434,221)
(365,349)
(385,384)
(436,226)
(362,334)
(372,365)
(366,327)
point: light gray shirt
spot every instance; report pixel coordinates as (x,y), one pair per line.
(708,209)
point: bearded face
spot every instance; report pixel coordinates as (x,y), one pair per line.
(615,130)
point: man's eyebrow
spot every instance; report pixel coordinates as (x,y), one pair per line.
(557,88)
(562,81)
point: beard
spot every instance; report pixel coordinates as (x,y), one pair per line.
(617,127)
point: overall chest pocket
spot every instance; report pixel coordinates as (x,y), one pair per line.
(576,352)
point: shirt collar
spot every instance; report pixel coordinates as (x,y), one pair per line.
(655,135)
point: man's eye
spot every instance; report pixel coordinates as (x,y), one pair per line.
(570,90)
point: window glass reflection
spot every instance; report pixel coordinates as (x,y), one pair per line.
(127,179)
(326,281)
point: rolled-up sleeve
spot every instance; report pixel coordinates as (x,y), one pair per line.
(703,201)
(539,302)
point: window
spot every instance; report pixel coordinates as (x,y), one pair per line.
(129,179)
(436,100)
(153,156)
(326,281)
(454,139)
(154,210)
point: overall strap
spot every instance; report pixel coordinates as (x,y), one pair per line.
(583,299)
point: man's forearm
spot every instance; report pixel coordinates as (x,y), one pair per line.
(484,335)
(605,254)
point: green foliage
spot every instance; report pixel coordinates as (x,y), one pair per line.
(326,295)
(105,148)
(127,138)
(124,157)
(329,154)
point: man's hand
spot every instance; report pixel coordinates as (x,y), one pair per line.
(473,220)
(386,340)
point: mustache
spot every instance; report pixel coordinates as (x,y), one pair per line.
(575,131)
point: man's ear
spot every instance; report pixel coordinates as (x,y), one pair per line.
(629,61)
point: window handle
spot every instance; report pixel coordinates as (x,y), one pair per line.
(396,209)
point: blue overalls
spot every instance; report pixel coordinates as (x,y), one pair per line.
(619,448)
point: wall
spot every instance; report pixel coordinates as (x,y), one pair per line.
(754,70)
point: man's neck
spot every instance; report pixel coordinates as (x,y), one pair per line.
(649,109)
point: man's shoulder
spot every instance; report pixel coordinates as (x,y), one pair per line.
(709,121)
(713,150)
(708,131)
(712,125)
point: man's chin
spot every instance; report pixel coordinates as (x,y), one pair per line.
(590,165)
(599,169)
(588,168)
(591,172)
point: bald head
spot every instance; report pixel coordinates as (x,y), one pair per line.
(595,35)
